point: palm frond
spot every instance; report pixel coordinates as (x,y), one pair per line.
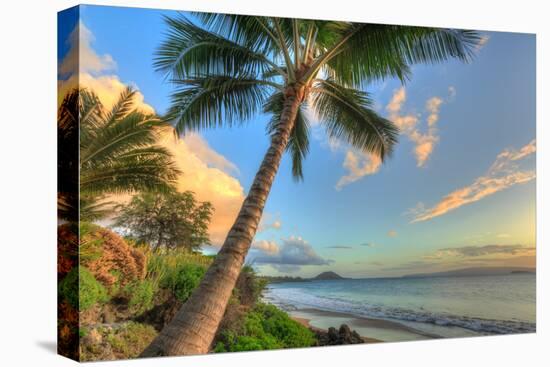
(130,174)
(250,31)
(375,51)
(190,51)
(298,145)
(346,114)
(131,132)
(216,100)
(118,150)
(122,107)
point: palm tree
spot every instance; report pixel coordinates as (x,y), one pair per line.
(229,68)
(115,151)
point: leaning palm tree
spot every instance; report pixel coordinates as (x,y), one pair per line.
(107,152)
(228,68)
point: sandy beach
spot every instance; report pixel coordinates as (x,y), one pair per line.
(371,330)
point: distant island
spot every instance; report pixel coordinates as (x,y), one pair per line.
(474,272)
(327,275)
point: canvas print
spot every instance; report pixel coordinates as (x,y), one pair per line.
(232,183)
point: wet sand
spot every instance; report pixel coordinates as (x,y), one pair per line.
(372,330)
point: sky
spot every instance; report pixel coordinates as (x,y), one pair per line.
(459,190)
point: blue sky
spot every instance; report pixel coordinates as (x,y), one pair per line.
(484,109)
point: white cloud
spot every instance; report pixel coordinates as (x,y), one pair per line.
(81,57)
(295,251)
(503,173)
(270,221)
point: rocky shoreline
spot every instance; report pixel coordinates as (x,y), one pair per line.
(344,335)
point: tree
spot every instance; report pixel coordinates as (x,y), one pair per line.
(229,68)
(169,220)
(107,151)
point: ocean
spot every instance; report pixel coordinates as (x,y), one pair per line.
(436,306)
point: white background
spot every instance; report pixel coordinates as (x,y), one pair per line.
(28,63)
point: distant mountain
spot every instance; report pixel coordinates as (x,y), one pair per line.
(328,275)
(475,272)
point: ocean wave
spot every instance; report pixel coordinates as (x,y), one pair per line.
(293,299)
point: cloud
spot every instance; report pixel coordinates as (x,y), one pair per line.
(503,235)
(270,221)
(452,93)
(408,123)
(207,182)
(392,233)
(503,173)
(268,247)
(483,41)
(338,247)
(358,165)
(294,251)
(81,57)
(474,251)
(204,171)
(106,87)
(212,158)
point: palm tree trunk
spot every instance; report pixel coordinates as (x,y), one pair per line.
(193,328)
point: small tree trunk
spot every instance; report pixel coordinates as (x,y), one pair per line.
(193,328)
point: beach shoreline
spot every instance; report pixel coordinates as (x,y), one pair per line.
(371,330)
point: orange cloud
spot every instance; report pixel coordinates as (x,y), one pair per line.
(268,247)
(208,182)
(408,123)
(204,171)
(358,165)
(501,175)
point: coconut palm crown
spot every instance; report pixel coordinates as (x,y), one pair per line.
(227,69)
(118,153)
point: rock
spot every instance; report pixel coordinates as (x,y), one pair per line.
(344,335)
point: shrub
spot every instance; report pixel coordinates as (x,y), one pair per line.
(291,333)
(249,286)
(183,280)
(111,259)
(81,289)
(140,295)
(265,327)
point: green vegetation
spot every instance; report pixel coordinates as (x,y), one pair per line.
(167,220)
(130,340)
(140,295)
(227,69)
(121,311)
(183,279)
(118,153)
(265,327)
(81,289)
